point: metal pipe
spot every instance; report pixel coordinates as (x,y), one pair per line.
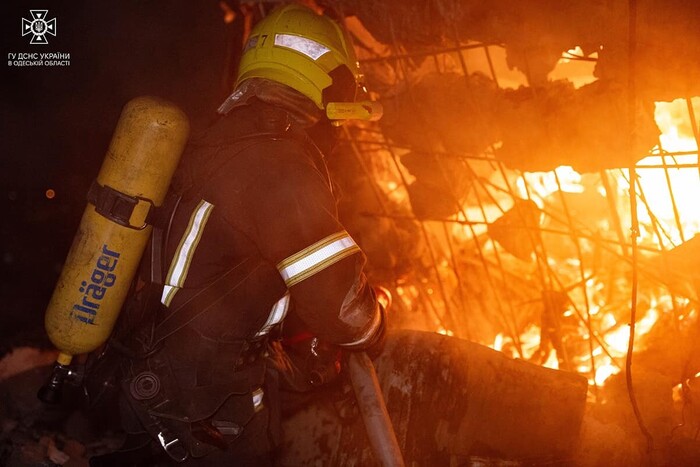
(374,414)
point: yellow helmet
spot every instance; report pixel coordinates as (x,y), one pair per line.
(308,52)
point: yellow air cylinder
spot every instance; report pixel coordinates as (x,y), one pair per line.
(145,149)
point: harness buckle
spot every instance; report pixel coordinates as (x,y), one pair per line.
(117,206)
(172,446)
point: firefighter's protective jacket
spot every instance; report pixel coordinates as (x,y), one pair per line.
(259,195)
(253,238)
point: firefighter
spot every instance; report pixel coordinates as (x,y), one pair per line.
(249,237)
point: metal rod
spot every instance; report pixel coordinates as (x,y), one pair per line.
(422,53)
(631,114)
(373,409)
(676,214)
(473,157)
(512,321)
(458,276)
(601,242)
(579,252)
(611,198)
(694,124)
(441,286)
(492,69)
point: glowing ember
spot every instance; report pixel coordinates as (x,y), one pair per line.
(618,339)
(498,343)
(552,361)
(604,371)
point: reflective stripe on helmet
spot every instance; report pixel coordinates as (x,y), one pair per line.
(183,255)
(277,314)
(304,45)
(251,44)
(317,257)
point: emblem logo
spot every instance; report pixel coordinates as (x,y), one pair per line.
(39,26)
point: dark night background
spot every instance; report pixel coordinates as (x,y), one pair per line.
(57,122)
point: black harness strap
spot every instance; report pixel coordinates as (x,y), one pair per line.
(117,206)
(162,221)
(202,301)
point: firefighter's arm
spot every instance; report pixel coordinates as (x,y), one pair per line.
(332,295)
(297,230)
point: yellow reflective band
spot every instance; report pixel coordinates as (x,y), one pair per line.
(316,257)
(277,314)
(168,294)
(185,251)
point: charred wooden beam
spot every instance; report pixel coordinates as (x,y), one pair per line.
(449,399)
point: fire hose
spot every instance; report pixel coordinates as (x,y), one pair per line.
(373,409)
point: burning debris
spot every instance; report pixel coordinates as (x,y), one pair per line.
(536,129)
(542,265)
(536,33)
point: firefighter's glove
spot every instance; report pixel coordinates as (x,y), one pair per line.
(375,344)
(323,362)
(310,360)
(384,299)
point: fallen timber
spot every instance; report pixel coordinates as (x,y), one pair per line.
(449,400)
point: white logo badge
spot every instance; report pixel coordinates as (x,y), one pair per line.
(39,26)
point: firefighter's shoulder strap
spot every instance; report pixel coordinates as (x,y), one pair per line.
(162,221)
